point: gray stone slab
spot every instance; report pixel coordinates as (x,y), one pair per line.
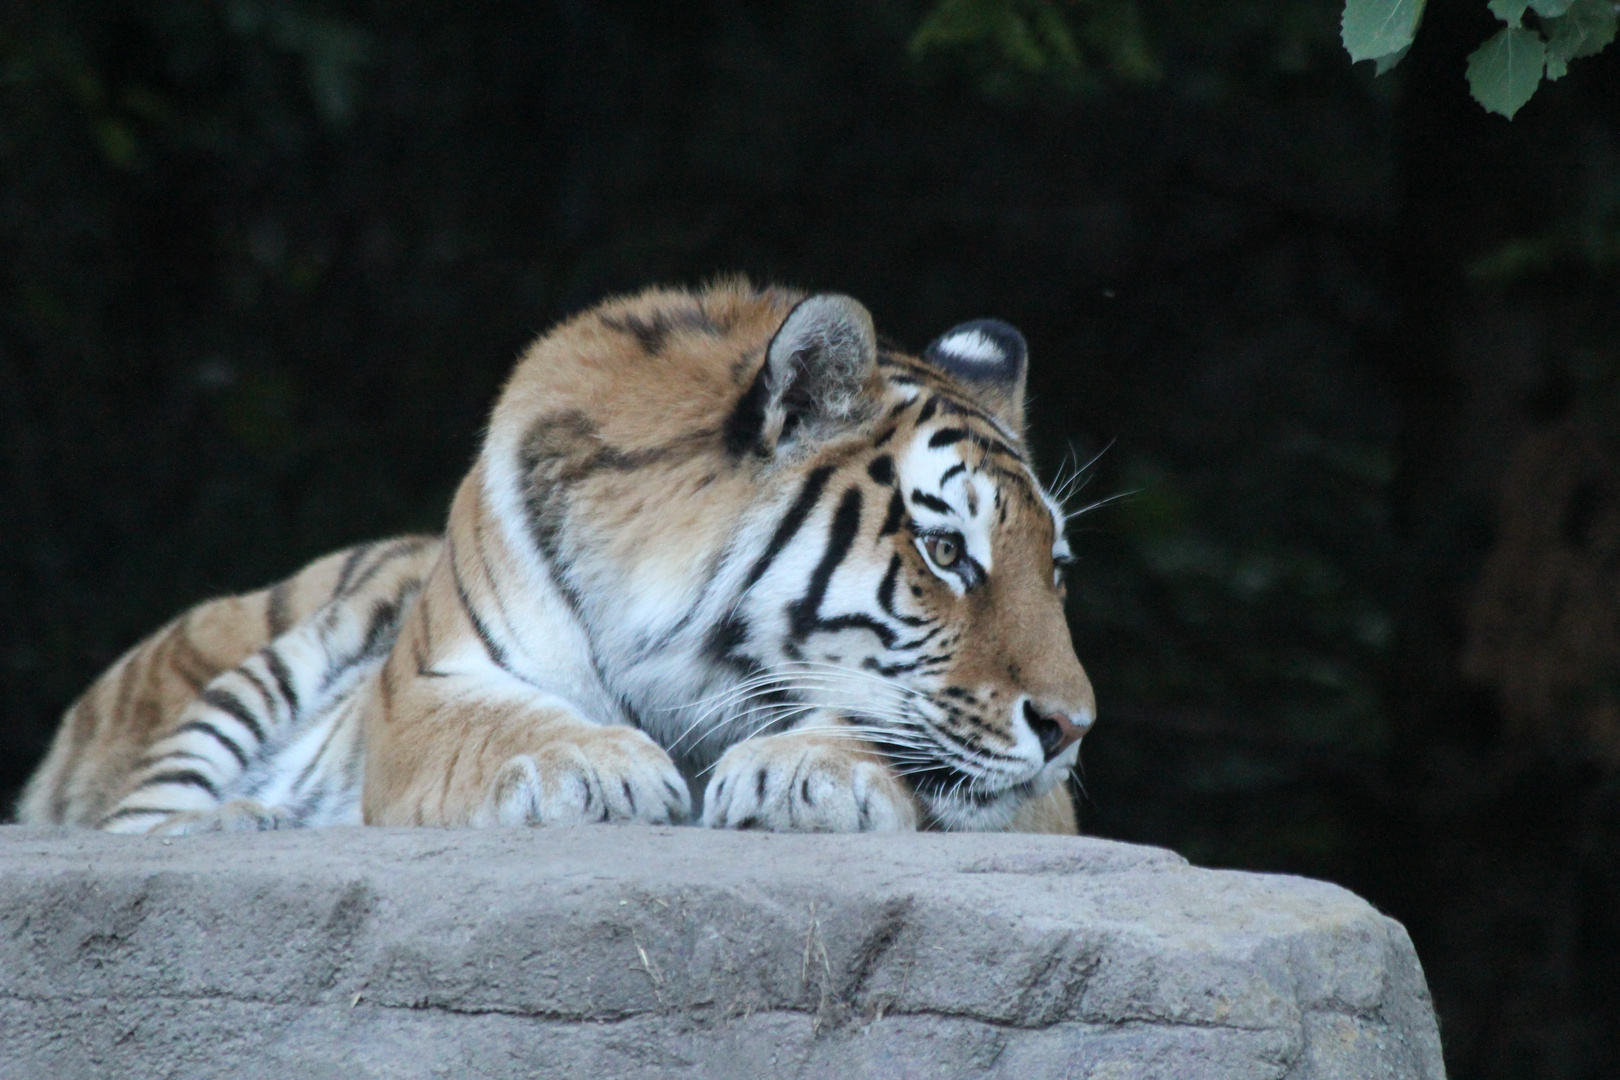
(676,952)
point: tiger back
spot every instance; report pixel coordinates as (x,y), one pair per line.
(717,540)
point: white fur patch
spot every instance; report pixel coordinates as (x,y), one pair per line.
(973,346)
(920,470)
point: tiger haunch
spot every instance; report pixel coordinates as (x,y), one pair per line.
(716,535)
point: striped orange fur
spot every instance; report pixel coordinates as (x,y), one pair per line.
(715,540)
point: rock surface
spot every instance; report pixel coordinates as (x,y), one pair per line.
(639,952)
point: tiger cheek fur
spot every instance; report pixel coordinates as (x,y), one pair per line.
(714,536)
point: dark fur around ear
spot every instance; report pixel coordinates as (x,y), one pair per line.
(817,373)
(990,358)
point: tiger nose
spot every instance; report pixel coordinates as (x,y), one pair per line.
(1057,731)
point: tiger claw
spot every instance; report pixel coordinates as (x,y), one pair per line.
(797,782)
(608,774)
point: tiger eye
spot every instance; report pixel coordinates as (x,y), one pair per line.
(944,551)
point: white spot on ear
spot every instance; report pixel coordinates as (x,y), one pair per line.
(973,346)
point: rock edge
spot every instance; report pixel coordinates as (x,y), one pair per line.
(674,952)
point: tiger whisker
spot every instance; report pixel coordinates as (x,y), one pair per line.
(1076,481)
(1089,507)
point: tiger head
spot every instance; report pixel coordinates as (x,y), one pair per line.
(904,567)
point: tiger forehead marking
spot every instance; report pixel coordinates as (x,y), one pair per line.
(955,474)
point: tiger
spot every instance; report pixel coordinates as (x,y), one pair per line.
(718,539)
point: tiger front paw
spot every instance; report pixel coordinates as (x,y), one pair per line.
(802,782)
(603,774)
(236,815)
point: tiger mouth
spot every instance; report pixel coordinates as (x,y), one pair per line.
(940,781)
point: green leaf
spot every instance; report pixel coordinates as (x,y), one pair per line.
(1585,30)
(1504,72)
(1372,29)
(1509,11)
(1387,62)
(1550,9)
(1030,35)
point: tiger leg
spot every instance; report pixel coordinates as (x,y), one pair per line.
(275,738)
(455,736)
(110,733)
(586,773)
(807,781)
(532,762)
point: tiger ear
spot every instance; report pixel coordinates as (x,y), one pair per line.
(990,359)
(817,375)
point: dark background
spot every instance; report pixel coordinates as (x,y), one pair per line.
(1351,343)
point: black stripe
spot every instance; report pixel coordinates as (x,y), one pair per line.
(275,609)
(885,595)
(396,550)
(805,613)
(218,736)
(939,506)
(348,568)
(487,572)
(379,637)
(896,515)
(961,408)
(725,640)
(283,677)
(974,746)
(543,499)
(927,413)
(791,522)
(384,617)
(881,470)
(959,467)
(421,659)
(996,446)
(229,703)
(911,666)
(857,621)
(258,684)
(653,334)
(186,777)
(952,435)
(908,646)
(496,653)
(188,661)
(747,420)
(314,761)
(890,670)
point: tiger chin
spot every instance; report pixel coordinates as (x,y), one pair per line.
(718,541)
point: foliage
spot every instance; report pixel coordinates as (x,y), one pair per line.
(1018,49)
(1035,38)
(1503,73)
